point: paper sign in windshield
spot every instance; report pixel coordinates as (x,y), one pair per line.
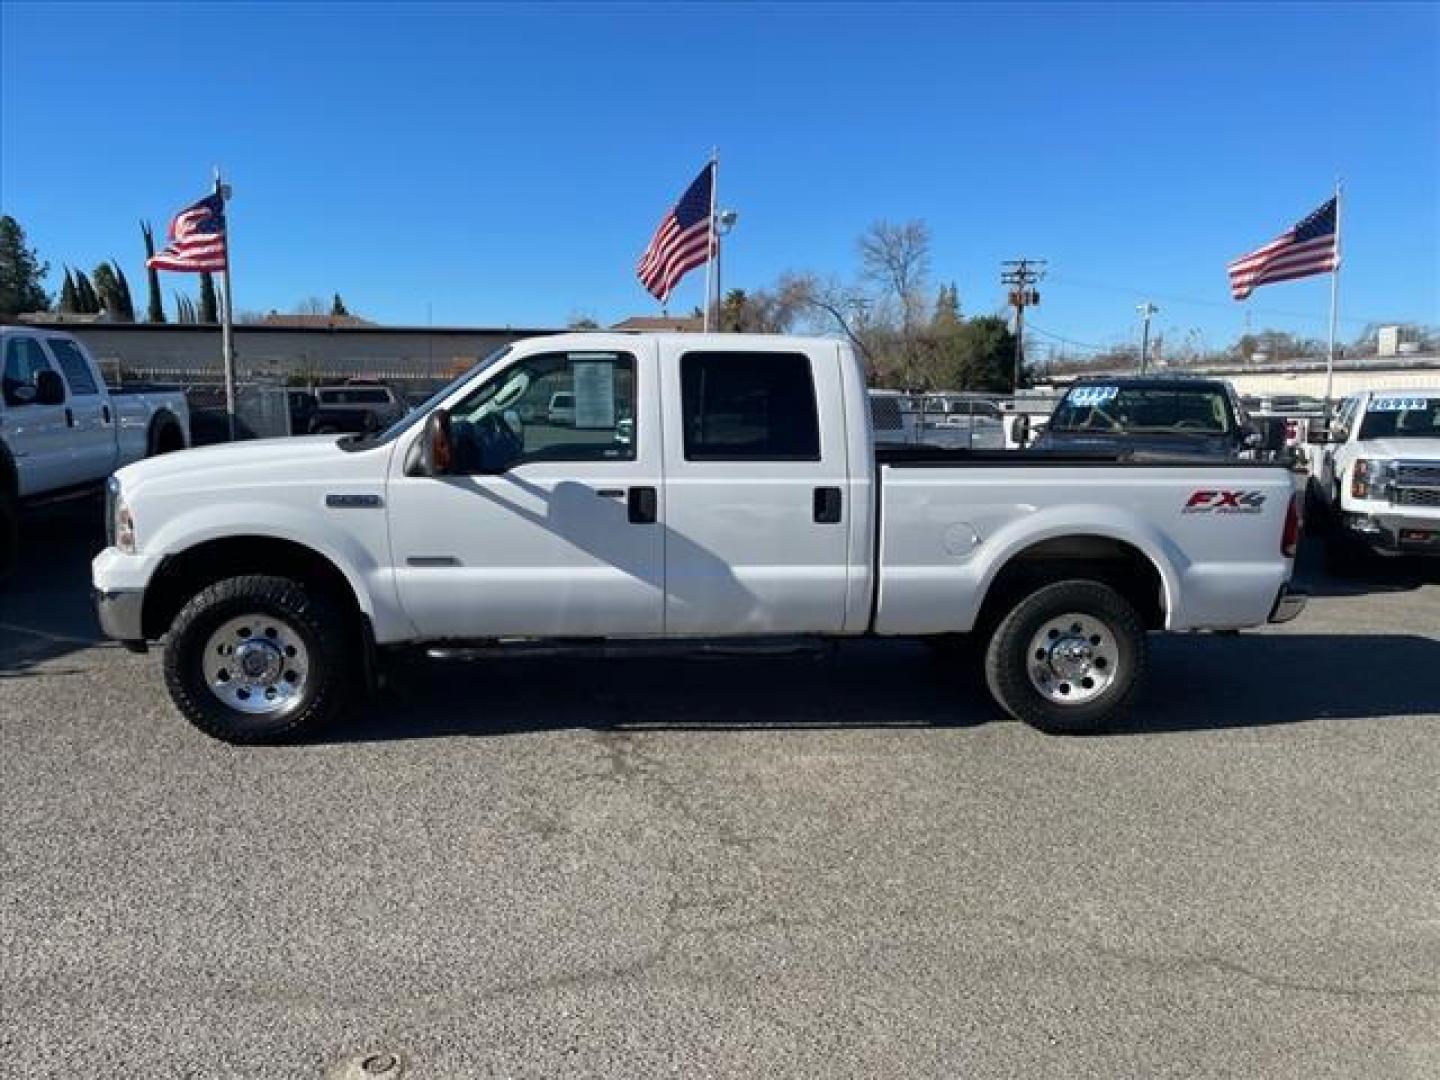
(1399,404)
(1086,397)
(595,394)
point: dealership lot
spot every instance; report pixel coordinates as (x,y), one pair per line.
(837,865)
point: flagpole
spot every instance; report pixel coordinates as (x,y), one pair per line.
(227,327)
(1334,306)
(712,239)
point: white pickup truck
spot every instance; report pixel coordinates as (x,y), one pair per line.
(710,486)
(1375,474)
(63,431)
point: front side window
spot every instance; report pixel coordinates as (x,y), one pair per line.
(749,407)
(74,366)
(24,360)
(577,406)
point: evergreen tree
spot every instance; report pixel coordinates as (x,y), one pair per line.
(22,274)
(154,308)
(127,302)
(69,298)
(89,302)
(338,309)
(947,307)
(107,288)
(209,305)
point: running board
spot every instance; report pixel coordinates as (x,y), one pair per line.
(591,648)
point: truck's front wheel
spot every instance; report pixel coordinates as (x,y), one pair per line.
(259,659)
(1068,659)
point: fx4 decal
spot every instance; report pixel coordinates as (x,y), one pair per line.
(1224,502)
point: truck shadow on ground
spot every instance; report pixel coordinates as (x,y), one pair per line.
(1365,576)
(45,606)
(1196,683)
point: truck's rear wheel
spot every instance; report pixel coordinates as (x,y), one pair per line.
(1068,659)
(259,659)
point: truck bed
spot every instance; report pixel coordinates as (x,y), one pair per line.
(921,457)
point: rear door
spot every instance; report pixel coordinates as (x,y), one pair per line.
(92,425)
(36,434)
(756,490)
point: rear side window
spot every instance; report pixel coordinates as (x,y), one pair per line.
(74,367)
(749,407)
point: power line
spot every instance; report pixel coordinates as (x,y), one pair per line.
(1072,341)
(1175,298)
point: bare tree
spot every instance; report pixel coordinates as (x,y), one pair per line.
(895,262)
(311,305)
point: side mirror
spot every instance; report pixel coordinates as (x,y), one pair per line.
(49,388)
(1020,430)
(437,448)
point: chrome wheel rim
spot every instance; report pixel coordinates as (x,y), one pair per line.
(1073,659)
(257,664)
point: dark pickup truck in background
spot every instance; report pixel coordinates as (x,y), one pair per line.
(1169,416)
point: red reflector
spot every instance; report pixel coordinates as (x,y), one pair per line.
(1290,538)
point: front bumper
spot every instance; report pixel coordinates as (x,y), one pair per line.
(1396,533)
(121,616)
(1288,604)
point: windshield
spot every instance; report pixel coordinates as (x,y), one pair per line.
(417,414)
(1199,410)
(1402,416)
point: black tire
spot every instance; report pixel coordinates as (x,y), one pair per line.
(1008,659)
(333,664)
(165,438)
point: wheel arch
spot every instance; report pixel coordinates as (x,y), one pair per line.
(184,573)
(1095,555)
(161,425)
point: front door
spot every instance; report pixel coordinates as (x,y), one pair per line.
(551,525)
(36,434)
(758,493)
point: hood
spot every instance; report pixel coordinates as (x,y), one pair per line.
(1118,442)
(1404,448)
(307,454)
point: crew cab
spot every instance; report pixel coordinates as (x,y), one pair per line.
(710,486)
(1375,474)
(63,431)
(1166,415)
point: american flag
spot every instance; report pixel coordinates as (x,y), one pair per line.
(1309,247)
(196,240)
(682,242)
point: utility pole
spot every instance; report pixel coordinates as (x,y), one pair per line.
(1146,310)
(1021,275)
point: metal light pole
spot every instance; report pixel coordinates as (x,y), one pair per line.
(724,222)
(1146,310)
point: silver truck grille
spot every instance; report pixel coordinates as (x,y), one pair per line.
(1417,496)
(1417,474)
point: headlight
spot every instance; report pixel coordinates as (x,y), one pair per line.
(1369,479)
(119,525)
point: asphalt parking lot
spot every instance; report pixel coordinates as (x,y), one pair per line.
(801,867)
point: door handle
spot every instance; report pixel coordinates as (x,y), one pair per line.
(642,504)
(827,505)
(105,412)
(69,417)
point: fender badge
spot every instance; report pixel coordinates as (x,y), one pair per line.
(354,502)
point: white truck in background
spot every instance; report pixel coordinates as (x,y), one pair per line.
(710,486)
(1375,475)
(63,431)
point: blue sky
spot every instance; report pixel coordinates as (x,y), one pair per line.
(504,165)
